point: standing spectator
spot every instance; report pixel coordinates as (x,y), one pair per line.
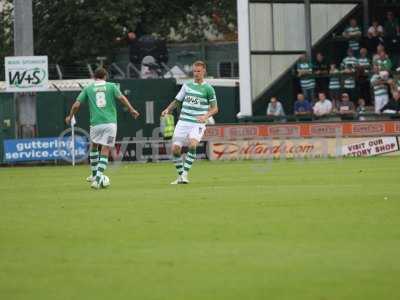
(381,93)
(305,73)
(353,33)
(321,69)
(275,108)
(323,107)
(375,30)
(378,49)
(375,36)
(334,84)
(349,65)
(135,55)
(363,70)
(383,61)
(302,107)
(363,61)
(361,109)
(345,107)
(392,30)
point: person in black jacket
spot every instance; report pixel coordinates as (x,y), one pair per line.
(321,69)
(393,106)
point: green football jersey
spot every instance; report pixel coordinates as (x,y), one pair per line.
(196,99)
(101,97)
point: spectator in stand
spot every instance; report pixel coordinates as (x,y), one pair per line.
(323,107)
(393,106)
(375,36)
(379,49)
(353,33)
(394,84)
(307,80)
(334,84)
(379,84)
(135,55)
(363,70)
(275,108)
(363,61)
(392,30)
(361,109)
(345,107)
(375,30)
(321,69)
(349,65)
(302,107)
(383,61)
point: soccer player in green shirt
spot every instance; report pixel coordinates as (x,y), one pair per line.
(101,96)
(198,103)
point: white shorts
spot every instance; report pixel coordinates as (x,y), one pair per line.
(380,102)
(185,131)
(104,134)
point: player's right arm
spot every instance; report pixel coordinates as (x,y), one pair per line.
(171,107)
(82,97)
(74,109)
(177,102)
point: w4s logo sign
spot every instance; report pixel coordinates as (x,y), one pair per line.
(26,73)
(26,78)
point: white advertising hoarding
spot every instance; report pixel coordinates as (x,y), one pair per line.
(26,73)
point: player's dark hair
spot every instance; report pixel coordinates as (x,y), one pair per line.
(100,73)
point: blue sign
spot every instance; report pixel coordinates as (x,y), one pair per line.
(43,149)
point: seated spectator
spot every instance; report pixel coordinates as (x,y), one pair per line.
(361,109)
(393,106)
(321,69)
(383,61)
(323,107)
(345,106)
(302,107)
(353,33)
(349,65)
(334,84)
(379,83)
(275,108)
(305,73)
(392,30)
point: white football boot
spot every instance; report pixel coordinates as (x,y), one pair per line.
(95,185)
(91,178)
(184,178)
(177,181)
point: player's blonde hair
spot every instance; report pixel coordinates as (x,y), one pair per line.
(200,63)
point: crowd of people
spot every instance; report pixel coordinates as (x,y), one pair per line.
(365,79)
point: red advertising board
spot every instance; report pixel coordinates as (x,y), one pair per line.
(345,129)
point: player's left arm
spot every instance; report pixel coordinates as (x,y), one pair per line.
(213,110)
(133,112)
(213,106)
(124,101)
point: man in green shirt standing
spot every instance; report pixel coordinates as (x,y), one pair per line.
(198,103)
(101,96)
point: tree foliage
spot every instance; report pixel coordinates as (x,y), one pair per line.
(6,31)
(80,30)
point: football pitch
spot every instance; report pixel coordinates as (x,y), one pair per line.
(287,230)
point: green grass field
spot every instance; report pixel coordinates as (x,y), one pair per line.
(289,230)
